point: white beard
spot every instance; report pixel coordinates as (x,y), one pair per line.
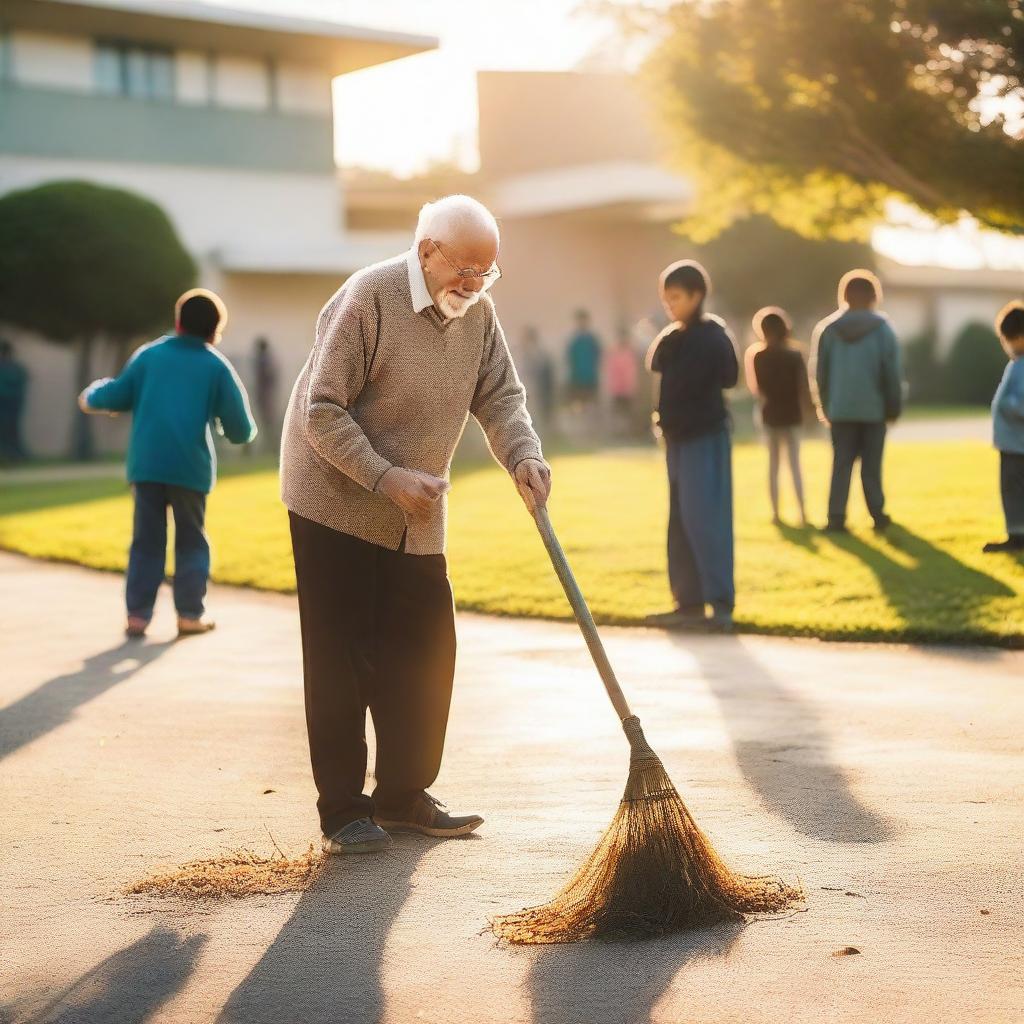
(453,306)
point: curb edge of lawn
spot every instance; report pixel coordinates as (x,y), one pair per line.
(910,636)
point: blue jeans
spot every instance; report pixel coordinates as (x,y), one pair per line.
(700,543)
(851,441)
(147,556)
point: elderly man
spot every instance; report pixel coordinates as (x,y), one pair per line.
(405,350)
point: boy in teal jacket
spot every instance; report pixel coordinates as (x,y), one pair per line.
(175,387)
(857,371)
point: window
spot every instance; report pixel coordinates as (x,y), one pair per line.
(127,69)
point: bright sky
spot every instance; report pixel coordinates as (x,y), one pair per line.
(430,99)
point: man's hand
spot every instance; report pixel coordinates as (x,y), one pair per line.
(533,480)
(414,492)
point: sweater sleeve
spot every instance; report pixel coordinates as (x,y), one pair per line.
(232,407)
(499,404)
(1011,394)
(114,394)
(344,333)
(892,385)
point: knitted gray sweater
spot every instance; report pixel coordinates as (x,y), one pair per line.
(386,386)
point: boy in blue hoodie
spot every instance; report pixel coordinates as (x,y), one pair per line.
(695,357)
(175,388)
(857,370)
(1008,427)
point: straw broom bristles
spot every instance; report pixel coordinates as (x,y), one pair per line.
(653,872)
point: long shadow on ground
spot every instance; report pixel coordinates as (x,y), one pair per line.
(617,982)
(54,702)
(783,748)
(325,966)
(131,985)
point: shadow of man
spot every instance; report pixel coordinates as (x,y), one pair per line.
(132,984)
(326,964)
(935,587)
(617,982)
(782,747)
(54,702)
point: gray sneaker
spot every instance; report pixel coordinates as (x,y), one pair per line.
(362,836)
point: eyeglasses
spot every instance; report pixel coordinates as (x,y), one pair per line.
(488,276)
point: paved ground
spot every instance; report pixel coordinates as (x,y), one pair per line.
(890,780)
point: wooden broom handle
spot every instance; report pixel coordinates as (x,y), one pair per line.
(579,607)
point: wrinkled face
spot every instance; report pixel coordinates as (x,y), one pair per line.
(680,304)
(475,250)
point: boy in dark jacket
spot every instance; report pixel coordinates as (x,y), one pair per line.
(175,388)
(696,359)
(857,371)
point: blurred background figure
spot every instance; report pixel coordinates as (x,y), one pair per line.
(584,371)
(622,371)
(538,372)
(13,389)
(265,380)
(777,377)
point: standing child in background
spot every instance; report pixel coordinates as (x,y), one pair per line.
(696,358)
(857,372)
(622,381)
(1008,427)
(174,387)
(777,376)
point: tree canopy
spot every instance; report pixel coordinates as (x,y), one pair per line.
(79,260)
(816,113)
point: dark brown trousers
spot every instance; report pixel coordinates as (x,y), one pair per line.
(378,633)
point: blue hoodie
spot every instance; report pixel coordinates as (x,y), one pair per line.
(857,367)
(175,388)
(1008,409)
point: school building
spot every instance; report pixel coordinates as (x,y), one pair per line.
(221,116)
(572,163)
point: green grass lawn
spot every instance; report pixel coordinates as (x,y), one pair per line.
(926,580)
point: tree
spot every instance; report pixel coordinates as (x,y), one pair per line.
(815,114)
(974,366)
(80,261)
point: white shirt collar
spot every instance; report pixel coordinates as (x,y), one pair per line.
(417,283)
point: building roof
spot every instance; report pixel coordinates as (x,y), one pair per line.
(337,47)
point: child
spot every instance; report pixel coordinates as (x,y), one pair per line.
(622,381)
(696,358)
(174,387)
(1008,427)
(777,376)
(857,373)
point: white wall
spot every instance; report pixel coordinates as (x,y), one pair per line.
(303,90)
(241,82)
(212,209)
(51,61)
(192,78)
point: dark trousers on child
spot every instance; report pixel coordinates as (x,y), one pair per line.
(700,541)
(147,557)
(378,633)
(852,440)
(1011,488)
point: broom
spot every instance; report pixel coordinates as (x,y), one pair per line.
(653,871)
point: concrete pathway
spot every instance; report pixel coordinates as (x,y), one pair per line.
(889,780)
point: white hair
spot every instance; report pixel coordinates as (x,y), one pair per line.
(443,219)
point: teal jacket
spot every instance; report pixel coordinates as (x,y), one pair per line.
(175,388)
(857,367)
